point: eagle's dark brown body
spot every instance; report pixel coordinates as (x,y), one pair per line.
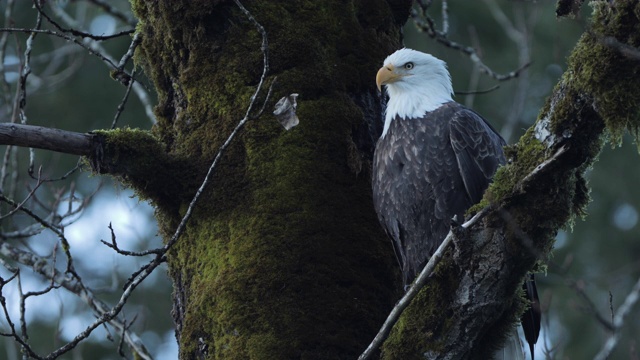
(428,170)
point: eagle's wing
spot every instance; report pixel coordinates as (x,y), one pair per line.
(478,149)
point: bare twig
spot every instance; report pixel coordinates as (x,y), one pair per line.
(518,33)
(578,287)
(427,25)
(120,108)
(137,39)
(20,338)
(76,32)
(48,270)
(109,8)
(22,87)
(225,145)
(114,245)
(445,18)
(118,72)
(475,92)
(8,11)
(29,195)
(618,322)
(62,36)
(415,288)
(474,77)
(613,313)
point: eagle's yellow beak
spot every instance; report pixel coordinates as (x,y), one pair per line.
(386,75)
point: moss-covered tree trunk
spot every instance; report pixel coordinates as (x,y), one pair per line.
(283,257)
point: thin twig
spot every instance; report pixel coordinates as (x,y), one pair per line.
(48,270)
(29,195)
(591,307)
(53,227)
(235,131)
(427,25)
(613,313)
(109,8)
(618,322)
(518,33)
(76,32)
(137,39)
(8,11)
(415,288)
(63,36)
(114,245)
(474,77)
(475,92)
(120,108)
(119,73)
(22,92)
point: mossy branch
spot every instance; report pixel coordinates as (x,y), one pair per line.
(141,162)
(134,156)
(473,299)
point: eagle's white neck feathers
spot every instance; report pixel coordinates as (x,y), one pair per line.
(421,89)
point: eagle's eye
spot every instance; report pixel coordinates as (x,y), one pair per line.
(408,66)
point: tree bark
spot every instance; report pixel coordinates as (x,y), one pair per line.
(284,258)
(67,142)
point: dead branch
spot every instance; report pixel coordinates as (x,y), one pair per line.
(39,137)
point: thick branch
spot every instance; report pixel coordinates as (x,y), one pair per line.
(67,142)
(471,302)
(135,156)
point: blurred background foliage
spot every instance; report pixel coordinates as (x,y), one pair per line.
(72,90)
(598,256)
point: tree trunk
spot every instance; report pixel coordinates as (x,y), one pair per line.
(284,256)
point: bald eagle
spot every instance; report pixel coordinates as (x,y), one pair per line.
(434,160)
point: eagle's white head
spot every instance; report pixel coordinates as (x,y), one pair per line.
(416,83)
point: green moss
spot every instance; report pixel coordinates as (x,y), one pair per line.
(601,69)
(599,86)
(596,100)
(271,260)
(137,158)
(272,264)
(421,325)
